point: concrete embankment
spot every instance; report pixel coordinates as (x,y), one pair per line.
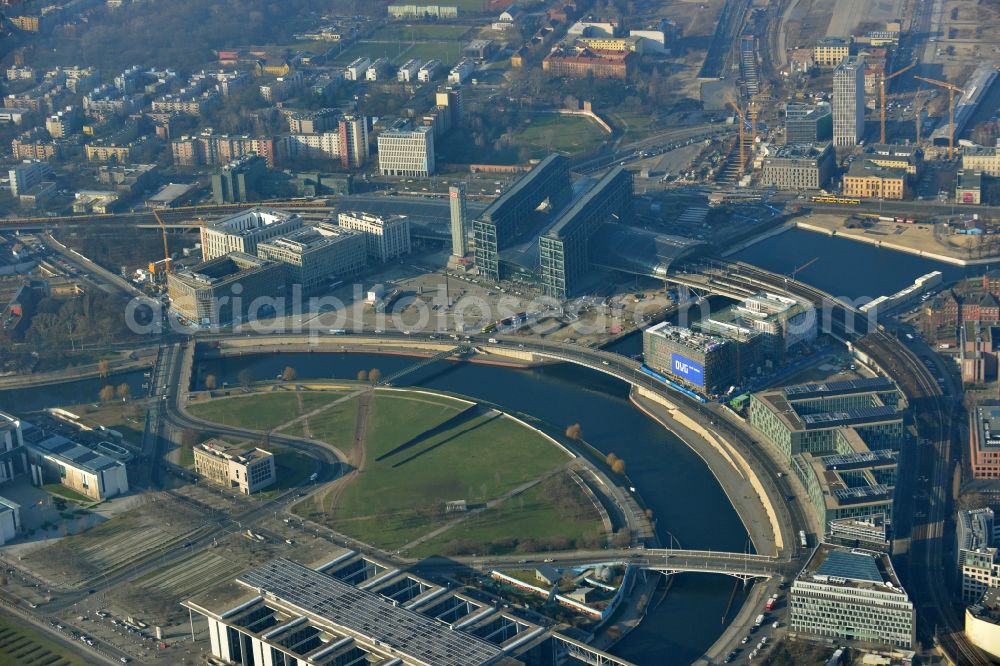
(736,476)
(889,245)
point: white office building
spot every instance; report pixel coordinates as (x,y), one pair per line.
(403,152)
(849,102)
(846,594)
(243,231)
(386,238)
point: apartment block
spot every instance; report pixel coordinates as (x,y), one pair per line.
(386,238)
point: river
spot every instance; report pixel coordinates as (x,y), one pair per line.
(685,498)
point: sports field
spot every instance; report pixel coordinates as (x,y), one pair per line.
(447,51)
(569,135)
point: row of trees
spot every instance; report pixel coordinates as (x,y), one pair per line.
(288,374)
(109,394)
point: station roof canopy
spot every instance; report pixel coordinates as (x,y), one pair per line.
(639,251)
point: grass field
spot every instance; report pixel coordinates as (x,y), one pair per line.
(637,126)
(569,135)
(529,517)
(24,645)
(426,32)
(261,411)
(117,417)
(423,451)
(68,493)
(335,425)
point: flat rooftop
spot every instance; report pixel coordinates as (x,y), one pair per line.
(987,608)
(62,443)
(851,567)
(583,204)
(798,151)
(249,221)
(701,342)
(410,634)
(511,194)
(840,387)
(988,426)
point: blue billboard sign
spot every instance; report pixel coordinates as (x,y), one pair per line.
(688,370)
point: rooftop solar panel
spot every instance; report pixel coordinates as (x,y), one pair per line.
(412,634)
(852,566)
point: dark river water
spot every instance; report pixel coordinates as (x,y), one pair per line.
(686,500)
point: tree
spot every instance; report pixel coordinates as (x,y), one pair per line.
(610,459)
(374,375)
(245,377)
(124,392)
(289,374)
(107,393)
(103,367)
(574,432)
(362,375)
(618,467)
(210,382)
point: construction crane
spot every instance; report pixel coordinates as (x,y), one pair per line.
(881,95)
(739,120)
(166,248)
(952,89)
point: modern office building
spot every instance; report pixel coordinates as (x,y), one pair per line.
(866,179)
(977,537)
(706,362)
(868,532)
(356,610)
(247,468)
(857,484)
(406,152)
(982,623)
(232,288)
(238,181)
(12,461)
(315,256)
(511,215)
(799,167)
(814,418)
(784,322)
(386,237)
(459,220)
(849,102)
(564,248)
(243,231)
(806,123)
(984,441)
(57,453)
(852,595)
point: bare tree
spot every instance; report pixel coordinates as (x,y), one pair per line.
(124,392)
(246,377)
(211,382)
(362,375)
(107,393)
(103,367)
(289,374)
(374,375)
(574,432)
